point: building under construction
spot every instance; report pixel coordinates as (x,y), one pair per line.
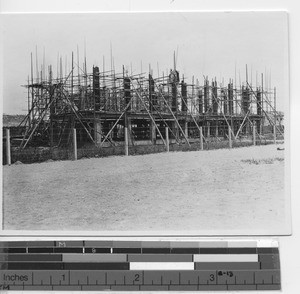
(108,108)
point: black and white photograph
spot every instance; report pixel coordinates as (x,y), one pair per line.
(146,123)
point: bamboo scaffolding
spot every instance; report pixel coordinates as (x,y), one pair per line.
(72,94)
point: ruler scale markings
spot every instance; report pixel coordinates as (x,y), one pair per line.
(236,273)
(242,267)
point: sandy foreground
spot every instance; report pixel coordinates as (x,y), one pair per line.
(218,191)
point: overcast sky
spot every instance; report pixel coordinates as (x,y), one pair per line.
(210,44)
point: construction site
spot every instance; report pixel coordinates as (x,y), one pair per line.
(104,112)
(99,116)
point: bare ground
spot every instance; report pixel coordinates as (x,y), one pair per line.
(218,191)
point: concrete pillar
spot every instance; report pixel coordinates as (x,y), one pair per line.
(167,140)
(175,129)
(98,131)
(184,97)
(261,126)
(8,154)
(206,95)
(75,144)
(229,137)
(129,127)
(201,138)
(254,134)
(126,140)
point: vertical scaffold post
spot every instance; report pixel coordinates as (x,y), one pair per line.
(201,138)
(274,132)
(254,133)
(126,140)
(229,137)
(75,144)
(8,157)
(167,140)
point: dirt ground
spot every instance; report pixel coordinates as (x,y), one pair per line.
(218,191)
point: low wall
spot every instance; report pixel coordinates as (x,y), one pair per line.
(41,154)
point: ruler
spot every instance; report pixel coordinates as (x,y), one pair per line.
(115,265)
